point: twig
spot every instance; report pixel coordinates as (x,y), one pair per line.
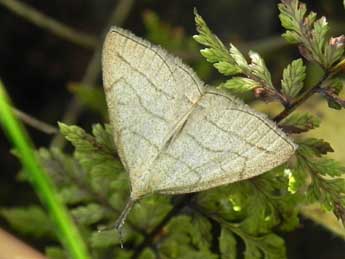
(330,95)
(35,123)
(289,109)
(48,23)
(94,67)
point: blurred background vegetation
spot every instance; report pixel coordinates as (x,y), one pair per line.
(48,75)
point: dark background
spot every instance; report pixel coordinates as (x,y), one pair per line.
(36,66)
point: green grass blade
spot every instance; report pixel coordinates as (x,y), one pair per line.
(44,187)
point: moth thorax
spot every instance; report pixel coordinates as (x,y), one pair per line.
(140,183)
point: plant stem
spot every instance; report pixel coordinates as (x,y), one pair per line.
(35,123)
(289,109)
(48,23)
(66,229)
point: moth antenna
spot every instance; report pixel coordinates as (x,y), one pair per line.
(120,221)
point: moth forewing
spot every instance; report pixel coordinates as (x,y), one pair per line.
(175,135)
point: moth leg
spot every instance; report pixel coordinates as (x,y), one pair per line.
(120,221)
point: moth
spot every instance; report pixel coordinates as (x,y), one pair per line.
(173,133)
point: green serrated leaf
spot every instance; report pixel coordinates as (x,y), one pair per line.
(202,237)
(310,33)
(291,37)
(73,194)
(201,39)
(293,78)
(336,84)
(227,244)
(239,85)
(60,167)
(150,211)
(82,141)
(106,238)
(267,195)
(319,33)
(104,136)
(230,203)
(183,240)
(310,19)
(90,150)
(313,147)
(215,53)
(291,12)
(102,177)
(227,69)
(32,221)
(89,214)
(334,105)
(238,58)
(334,50)
(258,68)
(265,246)
(206,36)
(269,246)
(300,122)
(329,192)
(327,183)
(328,167)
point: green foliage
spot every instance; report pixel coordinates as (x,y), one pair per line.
(215,52)
(306,29)
(331,90)
(95,186)
(300,122)
(31,220)
(184,236)
(239,85)
(239,59)
(314,45)
(231,62)
(327,185)
(227,244)
(259,70)
(293,78)
(314,147)
(274,206)
(187,237)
